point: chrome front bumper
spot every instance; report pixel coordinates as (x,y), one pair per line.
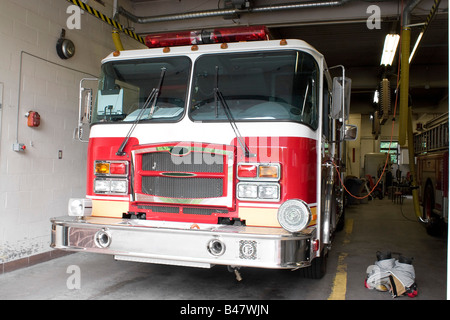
(187,244)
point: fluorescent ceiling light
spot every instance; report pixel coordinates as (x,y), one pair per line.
(389,49)
(415,46)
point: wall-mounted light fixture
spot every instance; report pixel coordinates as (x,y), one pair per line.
(389,49)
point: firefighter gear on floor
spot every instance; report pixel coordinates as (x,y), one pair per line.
(392,275)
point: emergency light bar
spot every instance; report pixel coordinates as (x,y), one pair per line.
(223,35)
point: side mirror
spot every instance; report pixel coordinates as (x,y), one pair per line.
(341,98)
(86,98)
(351,132)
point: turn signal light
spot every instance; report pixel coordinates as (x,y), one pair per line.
(268,171)
(102,168)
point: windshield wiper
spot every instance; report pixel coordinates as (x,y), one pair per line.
(218,97)
(152,96)
(152,110)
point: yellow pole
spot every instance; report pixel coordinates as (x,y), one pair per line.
(116,40)
(412,165)
(404,85)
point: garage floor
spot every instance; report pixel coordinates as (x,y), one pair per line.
(377,225)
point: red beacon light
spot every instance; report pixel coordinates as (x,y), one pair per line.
(207,36)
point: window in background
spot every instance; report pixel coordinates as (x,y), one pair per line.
(393,150)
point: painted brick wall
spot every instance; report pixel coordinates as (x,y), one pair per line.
(36,185)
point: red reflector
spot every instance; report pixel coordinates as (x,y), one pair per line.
(118,168)
(315,245)
(183,38)
(247,171)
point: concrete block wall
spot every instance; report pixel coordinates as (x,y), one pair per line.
(36,184)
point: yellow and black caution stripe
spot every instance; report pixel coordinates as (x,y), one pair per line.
(108,20)
(431,14)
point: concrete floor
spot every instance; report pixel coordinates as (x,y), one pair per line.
(376,225)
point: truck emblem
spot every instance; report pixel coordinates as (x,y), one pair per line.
(247,249)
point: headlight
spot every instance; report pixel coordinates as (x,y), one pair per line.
(111,186)
(119,186)
(294,215)
(79,207)
(268,192)
(247,191)
(102,186)
(258,191)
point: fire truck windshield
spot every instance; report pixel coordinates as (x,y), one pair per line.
(125,86)
(257,86)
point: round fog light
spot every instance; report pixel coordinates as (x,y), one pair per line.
(294,215)
(102,239)
(216,247)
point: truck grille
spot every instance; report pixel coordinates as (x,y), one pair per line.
(182,187)
(195,175)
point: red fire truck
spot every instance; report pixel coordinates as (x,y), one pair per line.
(431,150)
(213,147)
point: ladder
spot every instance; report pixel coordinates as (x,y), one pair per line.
(433,139)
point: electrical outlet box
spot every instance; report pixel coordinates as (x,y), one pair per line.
(19,147)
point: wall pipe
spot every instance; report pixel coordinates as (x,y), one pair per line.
(227,12)
(404,71)
(115,32)
(404,84)
(405,112)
